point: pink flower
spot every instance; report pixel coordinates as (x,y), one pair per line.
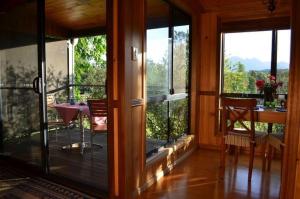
(272,78)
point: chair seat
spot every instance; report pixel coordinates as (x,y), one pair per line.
(99,128)
(276,140)
(243,140)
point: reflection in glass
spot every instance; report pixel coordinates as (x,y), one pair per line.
(19,105)
(181,58)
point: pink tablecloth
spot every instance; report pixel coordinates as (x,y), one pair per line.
(70,112)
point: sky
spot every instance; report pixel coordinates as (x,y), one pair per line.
(157,42)
(247,45)
(257,45)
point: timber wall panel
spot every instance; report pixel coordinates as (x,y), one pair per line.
(291,167)
(207,80)
(209,46)
(207,121)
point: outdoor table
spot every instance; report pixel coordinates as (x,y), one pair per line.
(70,113)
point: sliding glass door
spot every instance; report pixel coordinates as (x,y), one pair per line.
(48,77)
(20,82)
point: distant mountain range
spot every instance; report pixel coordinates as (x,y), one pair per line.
(256,64)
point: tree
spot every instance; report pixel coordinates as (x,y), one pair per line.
(235,77)
(90,66)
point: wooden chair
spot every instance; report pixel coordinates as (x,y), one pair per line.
(98,116)
(237,133)
(54,122)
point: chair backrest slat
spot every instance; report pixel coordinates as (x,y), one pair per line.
(239,110)
(98,107)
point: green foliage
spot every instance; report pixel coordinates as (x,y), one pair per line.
(90,66)
(179,118)
(283,75)
(235,77)
(238,80)
(157,121)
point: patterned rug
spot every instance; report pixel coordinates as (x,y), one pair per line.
(15,185)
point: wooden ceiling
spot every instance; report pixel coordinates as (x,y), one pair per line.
(157,13)
(233,10)
(80,16)
(76,15)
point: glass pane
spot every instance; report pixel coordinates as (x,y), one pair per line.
(90,68)
(178,118)
(157,61)
(283,59)
(247,58)
(156,126)
(181,58)
(87,165)
(57,64)
(19,105)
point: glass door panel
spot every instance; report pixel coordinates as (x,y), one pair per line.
(19,103)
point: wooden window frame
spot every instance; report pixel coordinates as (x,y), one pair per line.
(273,69)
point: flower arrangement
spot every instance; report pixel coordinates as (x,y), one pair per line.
(268,88)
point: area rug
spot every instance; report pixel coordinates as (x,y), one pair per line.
(15,185)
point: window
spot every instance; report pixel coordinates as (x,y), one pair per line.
(167,75)
(249,56)
(283,57)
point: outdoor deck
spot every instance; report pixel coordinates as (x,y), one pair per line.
(87,168)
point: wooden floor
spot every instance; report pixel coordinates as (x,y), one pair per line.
(197,177)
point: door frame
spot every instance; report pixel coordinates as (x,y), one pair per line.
(42,94)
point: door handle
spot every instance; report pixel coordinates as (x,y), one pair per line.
(36,85)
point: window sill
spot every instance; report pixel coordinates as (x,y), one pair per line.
(161,163)
(181,143)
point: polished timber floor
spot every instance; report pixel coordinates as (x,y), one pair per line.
(197,178)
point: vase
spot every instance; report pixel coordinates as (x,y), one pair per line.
(268,95)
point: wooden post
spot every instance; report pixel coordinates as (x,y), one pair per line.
(291,167)
(130,95)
